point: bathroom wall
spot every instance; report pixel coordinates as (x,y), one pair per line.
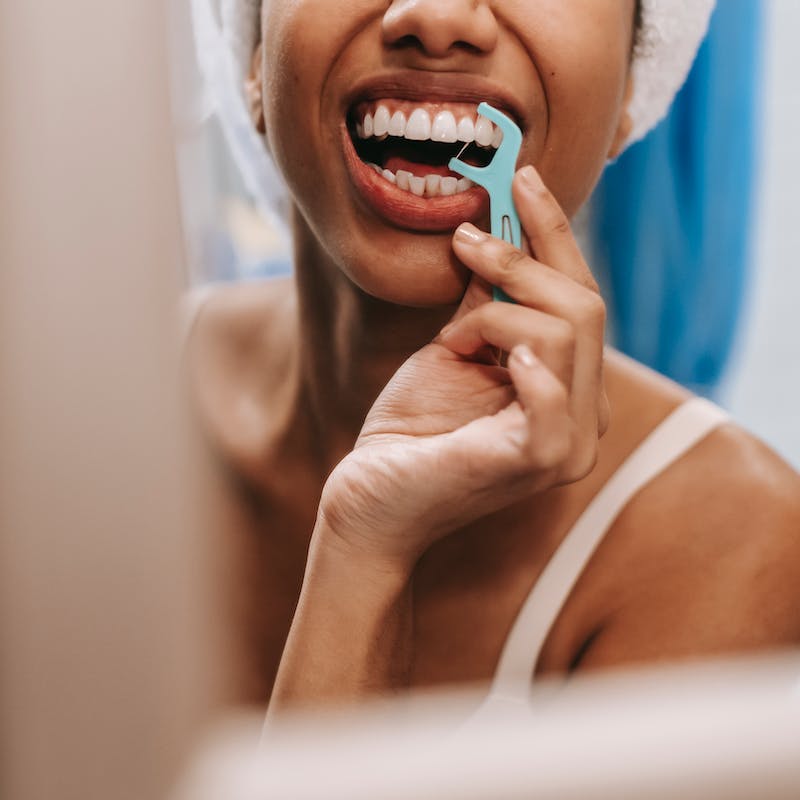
(763,385)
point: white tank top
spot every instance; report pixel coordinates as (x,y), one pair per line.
(685,427)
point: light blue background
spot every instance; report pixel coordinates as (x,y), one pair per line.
(763,385)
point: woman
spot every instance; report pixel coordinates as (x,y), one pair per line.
(418,467)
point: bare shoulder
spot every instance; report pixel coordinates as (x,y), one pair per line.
(736,493)
(236,314)
(237,349)
(706,558)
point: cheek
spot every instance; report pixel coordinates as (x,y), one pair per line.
(303,40)
(290,82)
(578,145)
(583,59)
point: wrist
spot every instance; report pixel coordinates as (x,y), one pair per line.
(351,631)
(331,553)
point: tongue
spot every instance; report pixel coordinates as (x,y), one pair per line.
(395,163)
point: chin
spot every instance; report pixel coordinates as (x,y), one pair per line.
(406,269)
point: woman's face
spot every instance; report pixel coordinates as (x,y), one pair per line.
(334,71)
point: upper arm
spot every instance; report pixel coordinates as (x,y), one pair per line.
(724,576)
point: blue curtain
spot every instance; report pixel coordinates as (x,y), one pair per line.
(672,217)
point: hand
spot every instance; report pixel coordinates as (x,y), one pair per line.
(455,435)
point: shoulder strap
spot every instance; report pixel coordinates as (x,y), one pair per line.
(677,434)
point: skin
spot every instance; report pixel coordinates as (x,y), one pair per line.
(397,490)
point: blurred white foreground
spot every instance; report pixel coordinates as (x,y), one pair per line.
(720,730)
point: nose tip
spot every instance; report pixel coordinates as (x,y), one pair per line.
(440,27)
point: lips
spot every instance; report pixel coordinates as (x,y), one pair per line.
(399,136)
(404,209)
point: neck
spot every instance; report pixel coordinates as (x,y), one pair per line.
(350,345)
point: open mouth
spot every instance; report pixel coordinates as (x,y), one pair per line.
(410,145)
(399,154)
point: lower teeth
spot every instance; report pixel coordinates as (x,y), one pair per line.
(429,186)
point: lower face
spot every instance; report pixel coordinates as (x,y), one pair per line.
(366,105)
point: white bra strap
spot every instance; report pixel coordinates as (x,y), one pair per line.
(677,434)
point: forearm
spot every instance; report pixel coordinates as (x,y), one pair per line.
(351,632)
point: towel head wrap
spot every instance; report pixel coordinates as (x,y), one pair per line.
(226,32)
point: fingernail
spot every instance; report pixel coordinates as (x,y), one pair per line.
(524,355)
(530,177)
(469,234)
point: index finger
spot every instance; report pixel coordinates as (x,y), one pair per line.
(548,229)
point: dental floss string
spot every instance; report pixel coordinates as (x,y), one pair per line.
(497,178)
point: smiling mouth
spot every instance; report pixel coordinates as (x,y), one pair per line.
(409,144)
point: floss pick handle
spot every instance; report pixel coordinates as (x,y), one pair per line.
(497,179)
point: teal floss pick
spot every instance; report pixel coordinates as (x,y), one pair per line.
(497,178)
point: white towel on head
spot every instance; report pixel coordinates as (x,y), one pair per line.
(672,31)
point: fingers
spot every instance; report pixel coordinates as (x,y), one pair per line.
(531,441)
(505,326)
(548,228)
(556,283)
(537,286)
(545,402)
(528,281)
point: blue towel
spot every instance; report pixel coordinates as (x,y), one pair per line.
(672,217)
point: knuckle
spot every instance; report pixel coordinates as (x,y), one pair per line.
(582,463)
(554,220)
(553,217)
(593,310)
(560,225)
(509,262)
(589,282)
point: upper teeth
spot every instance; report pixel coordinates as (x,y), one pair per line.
(419,127)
